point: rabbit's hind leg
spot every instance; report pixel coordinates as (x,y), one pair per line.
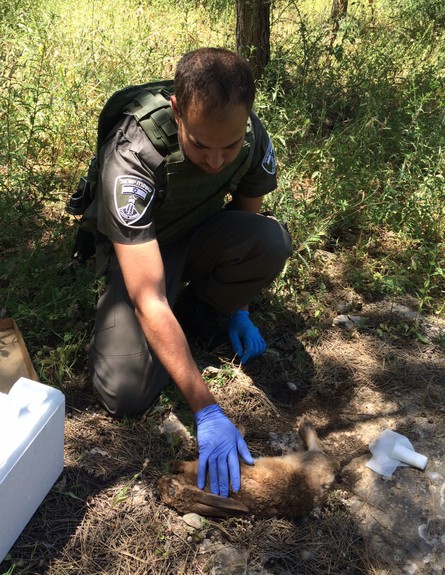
(308,434)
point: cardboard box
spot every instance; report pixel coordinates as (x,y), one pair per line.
(14,358)
(32,417)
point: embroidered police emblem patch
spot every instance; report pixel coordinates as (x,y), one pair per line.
(269,163)
(132,197)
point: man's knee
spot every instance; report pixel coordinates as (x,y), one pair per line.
(116,393)
(276,244)
(126,386)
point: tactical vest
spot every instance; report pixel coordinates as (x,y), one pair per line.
(191,195)
(186,195)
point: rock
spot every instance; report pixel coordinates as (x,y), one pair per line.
(173,428)
(347,307)
(228,560)
(348,322)
(405,311)
(194,520)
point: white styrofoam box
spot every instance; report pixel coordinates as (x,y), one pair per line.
(32,417)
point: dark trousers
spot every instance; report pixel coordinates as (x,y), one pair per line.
(229,259)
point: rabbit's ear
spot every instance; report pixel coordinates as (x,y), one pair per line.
(209,504)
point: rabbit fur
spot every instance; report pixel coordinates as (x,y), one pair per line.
(285,486)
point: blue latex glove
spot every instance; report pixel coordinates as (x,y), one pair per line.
(245,336)
(219,443)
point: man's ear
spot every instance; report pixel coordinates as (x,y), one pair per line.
(175,108)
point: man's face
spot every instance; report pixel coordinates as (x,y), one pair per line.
(211,141)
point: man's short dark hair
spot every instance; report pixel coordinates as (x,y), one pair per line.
(214,78)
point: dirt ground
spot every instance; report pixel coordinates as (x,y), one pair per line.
(364,367)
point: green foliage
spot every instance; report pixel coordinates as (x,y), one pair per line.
(357,118)
(358,122)
(124,492)
(418,15)
(53,307)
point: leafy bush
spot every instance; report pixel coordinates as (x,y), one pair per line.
(419,15)
(357,118)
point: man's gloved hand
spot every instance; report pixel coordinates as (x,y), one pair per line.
(219,443)
(245,336)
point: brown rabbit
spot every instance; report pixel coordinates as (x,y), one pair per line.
(285,486)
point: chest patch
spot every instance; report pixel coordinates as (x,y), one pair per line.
(269,162)
(132,197)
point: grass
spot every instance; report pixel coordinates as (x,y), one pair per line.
(358,123)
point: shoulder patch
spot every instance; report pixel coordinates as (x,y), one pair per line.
(269,163)
(132,197)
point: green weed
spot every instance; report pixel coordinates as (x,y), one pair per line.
(123,493)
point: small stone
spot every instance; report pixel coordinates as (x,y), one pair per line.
(306,555)
(228,560)
(193,520)
(410,569)
(207,546)
(405,311)
(348,322)
(99,451)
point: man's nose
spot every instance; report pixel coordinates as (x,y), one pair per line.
(215,159)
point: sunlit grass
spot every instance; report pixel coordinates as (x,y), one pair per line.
(358,123)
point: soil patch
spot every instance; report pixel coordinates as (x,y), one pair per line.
(379,366)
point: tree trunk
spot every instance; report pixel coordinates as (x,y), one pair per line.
(253,33)
(338,12)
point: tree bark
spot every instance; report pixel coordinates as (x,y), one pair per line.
(253,33)
(338,12)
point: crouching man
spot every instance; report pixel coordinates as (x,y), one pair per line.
(181,180)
